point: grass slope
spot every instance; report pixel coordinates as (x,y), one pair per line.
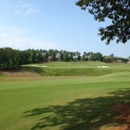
(77,68)
(67,103)
(87,64)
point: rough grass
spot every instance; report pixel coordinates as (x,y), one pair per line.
(78,71)
(19,73)
(67,103)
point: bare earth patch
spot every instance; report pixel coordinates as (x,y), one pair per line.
(20,73)
(124,114)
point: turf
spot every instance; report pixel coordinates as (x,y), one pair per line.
(88,64)
(77,68)
(65,102)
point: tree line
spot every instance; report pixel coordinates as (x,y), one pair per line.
(13,58)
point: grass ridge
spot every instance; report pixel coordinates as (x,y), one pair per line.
(77,71)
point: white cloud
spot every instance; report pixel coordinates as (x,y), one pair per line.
(26,10)
(12,37)
(31,10)
(19,8)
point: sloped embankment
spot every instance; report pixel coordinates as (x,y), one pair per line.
(77,71)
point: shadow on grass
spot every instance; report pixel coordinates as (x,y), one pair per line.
(82,114)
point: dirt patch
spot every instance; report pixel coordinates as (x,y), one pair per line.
(20,73)
(124,114)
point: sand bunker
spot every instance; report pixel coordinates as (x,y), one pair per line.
(44,66)
(39,66)
(103,67)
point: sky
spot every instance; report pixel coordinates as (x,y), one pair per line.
(53,24)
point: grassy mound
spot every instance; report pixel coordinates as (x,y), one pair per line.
(77,68)
(77,72)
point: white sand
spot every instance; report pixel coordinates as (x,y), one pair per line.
(103,67)
(44,66)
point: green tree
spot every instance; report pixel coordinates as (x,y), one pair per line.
(52,55)
(2,56)
(83,56)
(17,59)
(97,56)
(129,58)
(66,56)
(9,58)
(90,56)
(71,56)
(78,57)
(25,56)
(112,56)
(45,54)
(118,11)
(61,53)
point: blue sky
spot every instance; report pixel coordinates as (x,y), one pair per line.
(53,24)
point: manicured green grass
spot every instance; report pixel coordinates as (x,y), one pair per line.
(67,103)
(87,64)
(77,68)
